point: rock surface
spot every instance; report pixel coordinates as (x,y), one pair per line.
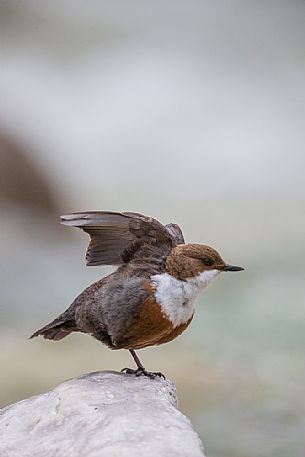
(100,414)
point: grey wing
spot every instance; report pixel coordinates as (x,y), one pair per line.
(114,236)
(176,233)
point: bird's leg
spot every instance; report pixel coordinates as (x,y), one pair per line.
(136,359)
(140,371)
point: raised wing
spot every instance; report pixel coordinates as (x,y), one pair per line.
(176,233)
(114,237)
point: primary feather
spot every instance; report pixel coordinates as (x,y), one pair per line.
(114,236)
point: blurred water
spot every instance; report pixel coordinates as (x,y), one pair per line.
(191,112)
(239,368)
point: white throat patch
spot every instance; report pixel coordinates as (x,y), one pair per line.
(177,298)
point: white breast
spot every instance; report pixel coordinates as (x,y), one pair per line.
(177,298)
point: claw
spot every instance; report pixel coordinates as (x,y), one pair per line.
(142,372)
(128,371)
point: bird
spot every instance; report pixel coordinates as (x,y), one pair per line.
(150,298)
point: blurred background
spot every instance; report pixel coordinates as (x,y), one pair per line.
(192,112)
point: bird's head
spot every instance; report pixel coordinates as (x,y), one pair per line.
(187,261)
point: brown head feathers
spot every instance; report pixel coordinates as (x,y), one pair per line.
(188,260)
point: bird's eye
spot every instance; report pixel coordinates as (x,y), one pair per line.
(208,262)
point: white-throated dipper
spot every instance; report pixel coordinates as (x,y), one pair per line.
(150,298)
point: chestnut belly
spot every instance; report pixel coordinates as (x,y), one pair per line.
(150,327)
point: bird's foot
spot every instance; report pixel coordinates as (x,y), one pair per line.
(142,372)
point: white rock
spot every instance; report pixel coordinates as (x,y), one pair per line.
(103,414)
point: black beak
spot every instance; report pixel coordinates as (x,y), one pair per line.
(232,268)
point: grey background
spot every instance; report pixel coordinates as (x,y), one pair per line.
(189,111)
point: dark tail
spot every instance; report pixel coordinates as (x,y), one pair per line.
(58,329)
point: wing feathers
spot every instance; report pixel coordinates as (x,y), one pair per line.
(113,234)
(176,233)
